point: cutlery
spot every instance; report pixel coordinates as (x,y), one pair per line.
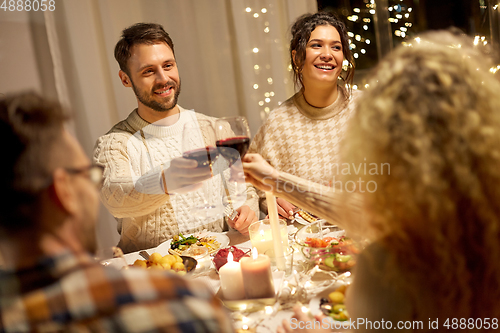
(144,254)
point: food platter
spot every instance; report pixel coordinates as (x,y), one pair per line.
(314,308)
(304,217)
(221,239)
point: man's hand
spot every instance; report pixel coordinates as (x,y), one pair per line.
(245,217)
(184,176)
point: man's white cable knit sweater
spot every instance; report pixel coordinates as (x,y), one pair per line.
(133,153)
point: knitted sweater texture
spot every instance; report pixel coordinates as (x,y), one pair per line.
(133,153)
(303,140)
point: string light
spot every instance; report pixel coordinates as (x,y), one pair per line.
(263,10)
(255,50)
(248,9)
(495,69)
(266,30)
(256,15)
(256,86)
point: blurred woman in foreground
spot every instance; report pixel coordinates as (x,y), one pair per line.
(432,112)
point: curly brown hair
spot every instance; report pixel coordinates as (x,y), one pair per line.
(301,32)
(432,110)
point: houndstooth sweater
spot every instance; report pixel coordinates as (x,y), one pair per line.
(303,140)
(133,153)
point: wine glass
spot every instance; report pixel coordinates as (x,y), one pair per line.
(198,143)
(233,141)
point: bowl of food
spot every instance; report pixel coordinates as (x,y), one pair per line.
(327,247)
(200,254)
(169,262)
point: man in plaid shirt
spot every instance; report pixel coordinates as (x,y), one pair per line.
(49,281)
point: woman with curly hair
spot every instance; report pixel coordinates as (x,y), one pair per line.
(432,111)
(301,136)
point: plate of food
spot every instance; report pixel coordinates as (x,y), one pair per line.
(213,241)
(331,304)
(304,217)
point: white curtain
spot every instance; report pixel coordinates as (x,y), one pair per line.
(232,56)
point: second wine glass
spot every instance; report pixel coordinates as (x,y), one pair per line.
(198,143)
(233,141)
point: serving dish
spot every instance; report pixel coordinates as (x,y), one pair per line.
(327,247)
(221,238)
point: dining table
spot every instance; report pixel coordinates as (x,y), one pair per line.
(304,285)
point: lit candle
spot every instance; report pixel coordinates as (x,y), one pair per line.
(261,235)
(272,210)
(257,277)
(231,279)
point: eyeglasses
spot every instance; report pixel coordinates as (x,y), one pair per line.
(95,173)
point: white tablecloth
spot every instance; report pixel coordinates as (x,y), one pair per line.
(267,321)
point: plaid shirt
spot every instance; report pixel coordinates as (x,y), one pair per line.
(72,293)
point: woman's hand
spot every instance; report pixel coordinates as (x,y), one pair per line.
(257,172)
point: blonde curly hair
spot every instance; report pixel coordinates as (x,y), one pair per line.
(432,111)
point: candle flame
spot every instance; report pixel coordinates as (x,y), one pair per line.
(230,257)
(255,253)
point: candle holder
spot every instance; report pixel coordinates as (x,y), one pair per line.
(254,304)
(261,235)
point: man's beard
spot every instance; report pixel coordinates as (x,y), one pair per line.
(148,101)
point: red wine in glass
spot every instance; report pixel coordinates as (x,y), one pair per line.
(233,148)
(204,156)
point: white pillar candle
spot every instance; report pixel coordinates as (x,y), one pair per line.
(231,279)
(272,210)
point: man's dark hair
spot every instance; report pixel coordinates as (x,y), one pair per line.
(29,127)
(139,33)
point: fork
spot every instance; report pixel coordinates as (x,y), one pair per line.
(144,254)
(230,212)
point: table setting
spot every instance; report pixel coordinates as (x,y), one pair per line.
(258,287)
